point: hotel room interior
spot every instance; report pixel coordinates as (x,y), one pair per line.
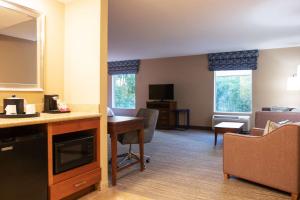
(149,99)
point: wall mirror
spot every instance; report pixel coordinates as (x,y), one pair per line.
(21,48)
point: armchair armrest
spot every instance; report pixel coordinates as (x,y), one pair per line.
(257,131)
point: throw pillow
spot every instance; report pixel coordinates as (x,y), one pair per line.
(270,126)
(285,122)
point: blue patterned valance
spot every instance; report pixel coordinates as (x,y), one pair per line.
(238,60)
(123,67)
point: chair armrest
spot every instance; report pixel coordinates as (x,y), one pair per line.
(257,131)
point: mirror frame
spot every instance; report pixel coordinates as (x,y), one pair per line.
(40,19)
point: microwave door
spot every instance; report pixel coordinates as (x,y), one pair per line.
(71,155)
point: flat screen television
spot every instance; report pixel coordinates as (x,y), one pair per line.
(161,92)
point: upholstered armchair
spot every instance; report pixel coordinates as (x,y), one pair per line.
(271,159)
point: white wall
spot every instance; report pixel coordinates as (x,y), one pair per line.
(82,52)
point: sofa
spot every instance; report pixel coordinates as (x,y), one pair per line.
(261,117)
(272,159)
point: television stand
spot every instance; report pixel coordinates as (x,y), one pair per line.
(167,117)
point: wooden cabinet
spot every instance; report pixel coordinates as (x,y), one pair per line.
(166,118)
(74,184)
(77,180)
(67,183)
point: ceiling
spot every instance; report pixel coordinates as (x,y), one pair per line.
(140,29)
(10,17)
(65,1)
(25,30)
(17,24)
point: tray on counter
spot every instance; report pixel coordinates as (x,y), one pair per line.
(3,115)
(56,111)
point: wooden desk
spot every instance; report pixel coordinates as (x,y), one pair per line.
(227,127)
(120,125)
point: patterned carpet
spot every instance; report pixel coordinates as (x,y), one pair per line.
(185,165)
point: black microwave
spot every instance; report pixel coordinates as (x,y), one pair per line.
(72,150)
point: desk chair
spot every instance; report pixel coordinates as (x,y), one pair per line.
(150,119)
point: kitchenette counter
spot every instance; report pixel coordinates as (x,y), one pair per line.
(63,174)
(45,118)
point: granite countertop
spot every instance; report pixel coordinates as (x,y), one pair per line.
(46,118)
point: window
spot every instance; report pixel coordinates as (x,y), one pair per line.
(123,91)
(233,91)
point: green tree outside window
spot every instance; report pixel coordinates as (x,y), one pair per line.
(233,91)
(123,91)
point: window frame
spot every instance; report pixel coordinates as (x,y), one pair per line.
(233,113)
(113,92)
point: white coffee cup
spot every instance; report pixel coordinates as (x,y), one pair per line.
(11,109)
(30,109)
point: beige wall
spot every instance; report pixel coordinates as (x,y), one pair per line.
(83,54)
(269,80)
(54,50)
(82,50)
(194,84)
(23,69)
(80,79)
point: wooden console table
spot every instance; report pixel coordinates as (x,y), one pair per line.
(120,125)
(167,117)
(186,112)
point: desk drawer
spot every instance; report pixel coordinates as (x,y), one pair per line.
(75,184)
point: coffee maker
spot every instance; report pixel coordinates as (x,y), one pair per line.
(50,103)
(15,101)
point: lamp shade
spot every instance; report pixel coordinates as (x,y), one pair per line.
(293,83)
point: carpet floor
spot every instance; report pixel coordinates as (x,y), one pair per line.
(185,165)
